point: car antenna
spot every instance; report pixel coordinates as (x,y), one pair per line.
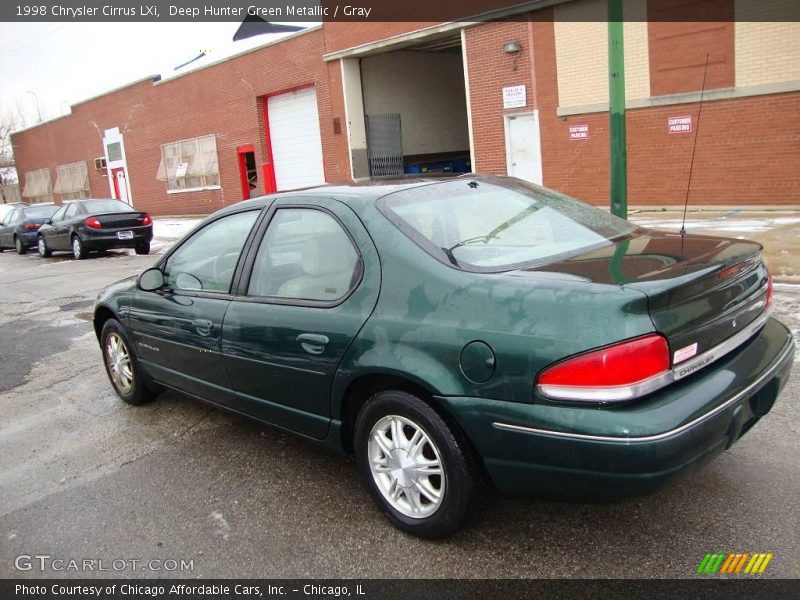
(694,149)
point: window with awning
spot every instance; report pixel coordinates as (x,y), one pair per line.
(190,164)
(72,181)
(38,187)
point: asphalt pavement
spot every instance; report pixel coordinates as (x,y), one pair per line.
(84,476)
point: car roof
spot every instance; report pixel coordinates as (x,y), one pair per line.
(361,192)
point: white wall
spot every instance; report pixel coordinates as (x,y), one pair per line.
(427,89)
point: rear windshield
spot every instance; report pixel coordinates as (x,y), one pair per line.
(40,212)
(104,206)
(500,224)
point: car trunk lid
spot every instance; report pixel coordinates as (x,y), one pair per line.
(701,290)
(122,220)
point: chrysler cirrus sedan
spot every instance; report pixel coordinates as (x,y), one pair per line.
(81,226)
(443,331)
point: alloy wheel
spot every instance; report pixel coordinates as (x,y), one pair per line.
(119,363)
(406,466)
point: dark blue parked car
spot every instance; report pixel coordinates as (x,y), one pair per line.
(19,227)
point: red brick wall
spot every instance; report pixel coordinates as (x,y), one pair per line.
(490,70)
(678,50)
(747,152)
(223,99)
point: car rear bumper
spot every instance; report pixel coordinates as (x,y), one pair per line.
(28,238)
(104,241)
(632,449)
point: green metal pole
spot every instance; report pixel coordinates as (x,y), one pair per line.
(616,115)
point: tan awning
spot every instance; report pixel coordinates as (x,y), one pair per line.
(189,158)
(37,183)
(72,178)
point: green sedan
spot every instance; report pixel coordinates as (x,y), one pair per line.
(453,332)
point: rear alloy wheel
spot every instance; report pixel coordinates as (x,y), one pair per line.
(78,249)
(44,251)
(143,248)
(418,469)
(19,246)
(121,366)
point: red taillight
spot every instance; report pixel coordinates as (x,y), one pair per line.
(32,226)
(769,291)
(94,223)
(146,220)
(622,364)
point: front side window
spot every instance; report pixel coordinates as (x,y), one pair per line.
(59,214)
(189,164)
(207,260)
(72,181)
(305,255)
(500,224)
(72,210)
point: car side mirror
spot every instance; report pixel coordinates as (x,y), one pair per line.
(151,280)
(47,221)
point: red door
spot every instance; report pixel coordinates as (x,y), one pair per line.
(120,184)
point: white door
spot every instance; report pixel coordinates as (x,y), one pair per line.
(295,139)
(523,147)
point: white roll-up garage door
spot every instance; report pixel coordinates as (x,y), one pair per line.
(295,139)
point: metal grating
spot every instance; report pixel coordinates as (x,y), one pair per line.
(384,144)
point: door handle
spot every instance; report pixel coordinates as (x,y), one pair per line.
(313,343)
(203,326)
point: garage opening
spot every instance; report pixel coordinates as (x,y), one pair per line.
(415,110)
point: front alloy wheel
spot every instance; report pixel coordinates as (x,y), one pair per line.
(118,360)
(129,382)
(420,470)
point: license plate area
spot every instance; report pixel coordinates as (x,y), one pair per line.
(125,235)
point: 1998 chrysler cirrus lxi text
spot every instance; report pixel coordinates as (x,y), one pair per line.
(444,329)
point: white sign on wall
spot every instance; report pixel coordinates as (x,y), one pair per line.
(514,96)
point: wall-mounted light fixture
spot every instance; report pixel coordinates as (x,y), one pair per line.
(513,48)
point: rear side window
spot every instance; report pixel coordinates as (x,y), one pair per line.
(206,261)
(305,255)
(72,210)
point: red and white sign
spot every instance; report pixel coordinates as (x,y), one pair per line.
(579,132)
(681,124)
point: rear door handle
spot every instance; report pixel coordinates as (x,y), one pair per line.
(313,343)
(203,326)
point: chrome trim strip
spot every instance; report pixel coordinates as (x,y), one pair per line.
(629,392)
(777,363)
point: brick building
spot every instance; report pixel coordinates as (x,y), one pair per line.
(524,94)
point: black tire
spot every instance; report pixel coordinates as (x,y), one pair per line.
(44,251)
(19,246)
(143,248)
(79,251)
(140,390)
(458,465)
